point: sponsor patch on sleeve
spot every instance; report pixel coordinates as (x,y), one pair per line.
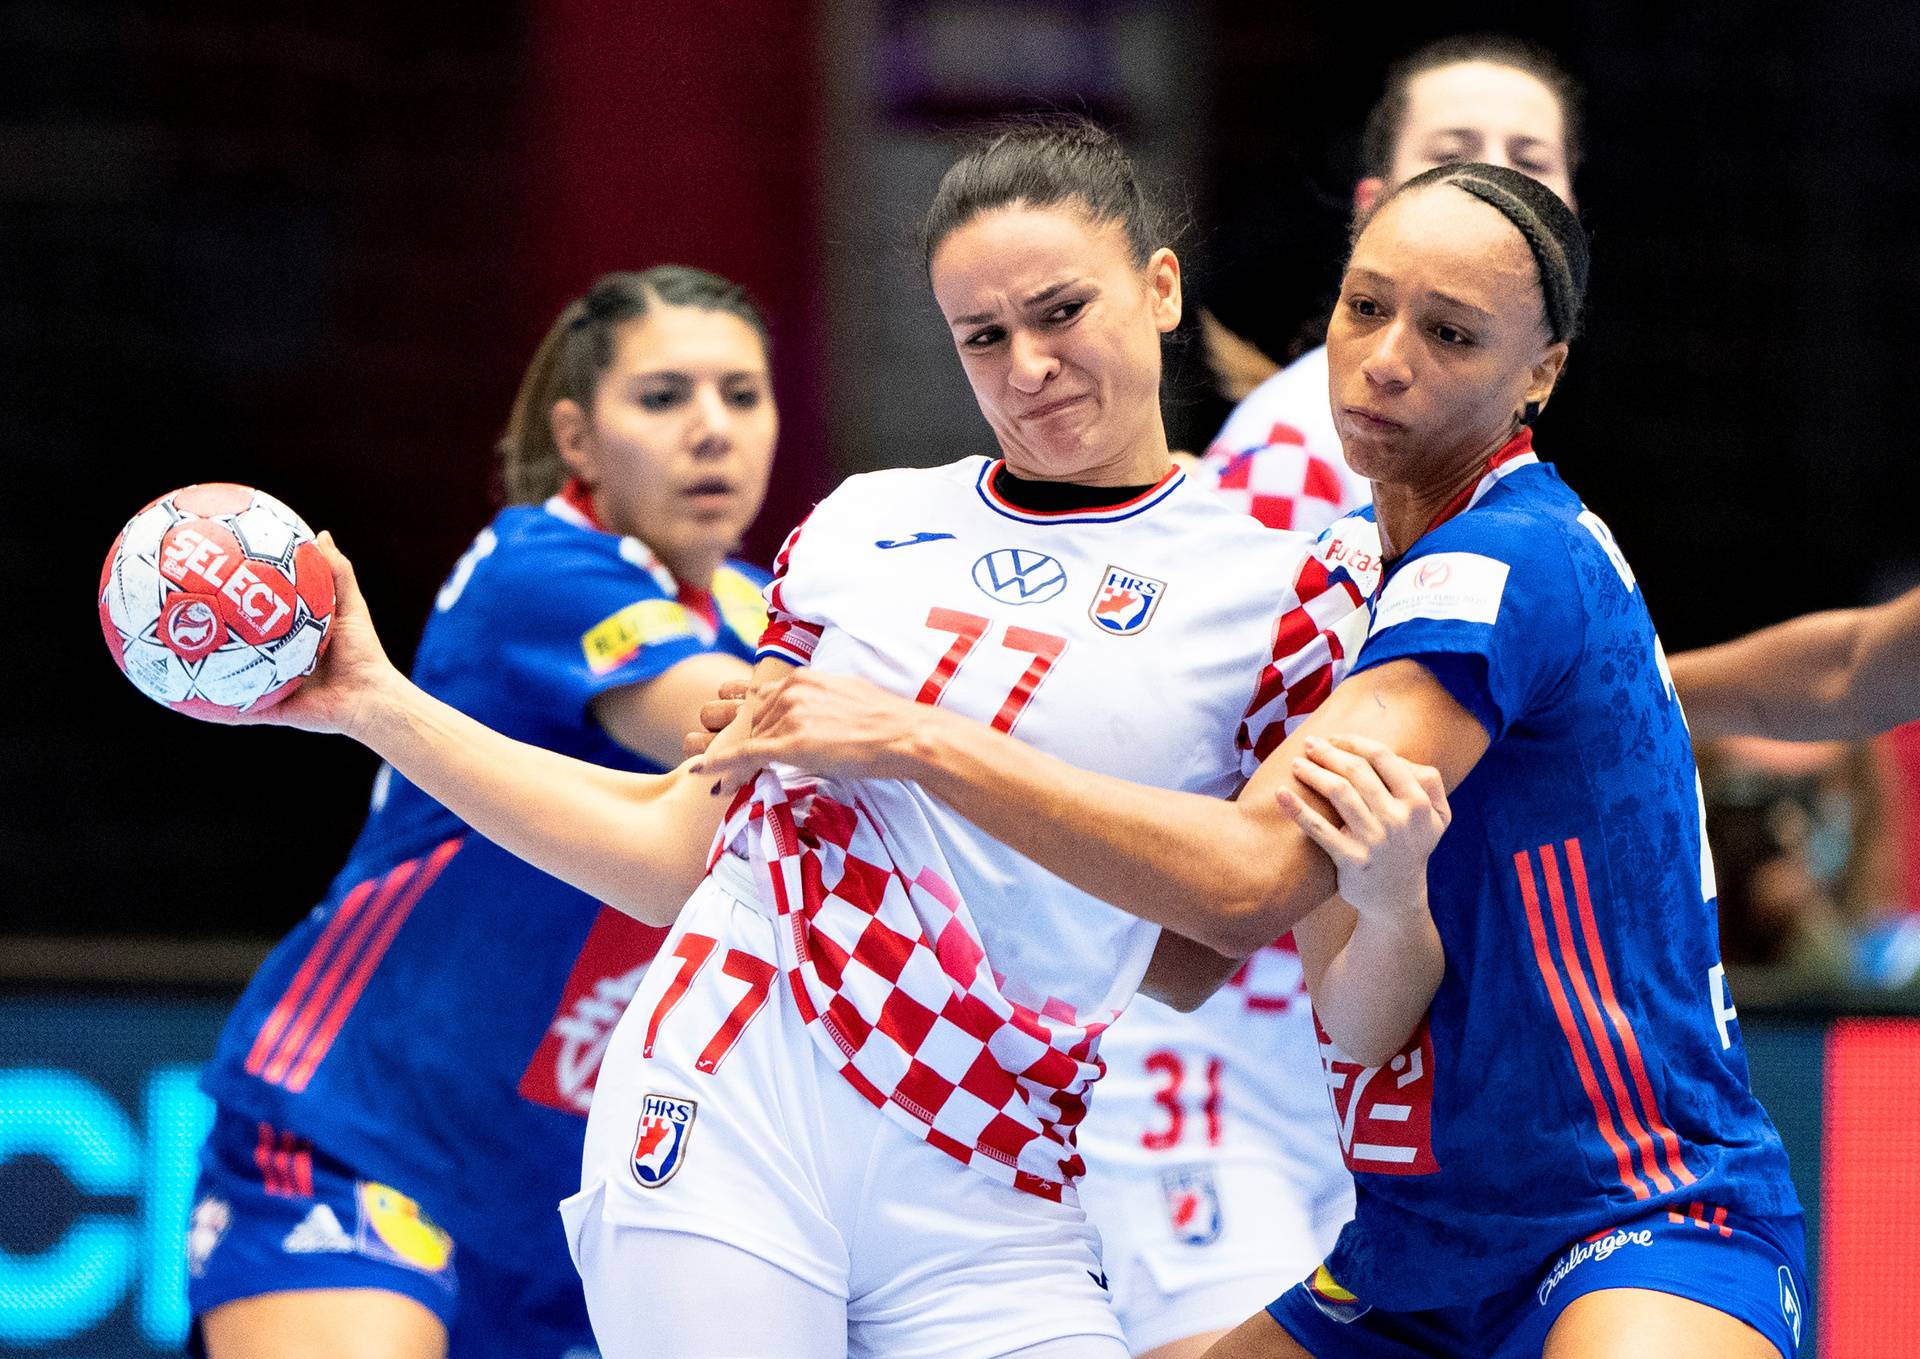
(617,639)
(742,604)
(1463,586)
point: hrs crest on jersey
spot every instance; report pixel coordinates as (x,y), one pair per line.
(1193,1205)
(1125,601)
(660,1144)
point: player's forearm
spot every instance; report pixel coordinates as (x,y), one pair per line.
(634,841)
(1377,987)
(1202,867)
(1840,675)
(1884,688)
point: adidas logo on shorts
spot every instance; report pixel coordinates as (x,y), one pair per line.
(318,1233)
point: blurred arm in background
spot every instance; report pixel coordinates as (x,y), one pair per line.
(1843,674)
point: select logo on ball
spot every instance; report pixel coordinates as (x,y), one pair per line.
(215,601)
(191,626)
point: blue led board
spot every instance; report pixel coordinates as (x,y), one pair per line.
(100,1125)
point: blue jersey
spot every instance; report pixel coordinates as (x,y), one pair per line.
(1581,1063)
(437,1021)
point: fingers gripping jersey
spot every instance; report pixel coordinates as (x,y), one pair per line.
(1278,456)
(960,986)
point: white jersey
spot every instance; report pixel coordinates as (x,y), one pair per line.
(1278,455)
(1167,641)
(1236,1080)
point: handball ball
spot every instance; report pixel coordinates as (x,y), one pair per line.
(215,601)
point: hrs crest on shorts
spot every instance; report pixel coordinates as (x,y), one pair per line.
(1125,601)
(660,1144)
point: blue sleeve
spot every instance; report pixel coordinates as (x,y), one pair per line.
(1490,605)
(569,618)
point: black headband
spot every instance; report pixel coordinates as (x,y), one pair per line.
(1556,277)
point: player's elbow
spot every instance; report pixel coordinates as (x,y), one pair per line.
(1368,1046)
(1241,920)
(1265,896)
(1186,993)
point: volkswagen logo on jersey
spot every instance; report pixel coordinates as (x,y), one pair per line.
(1193,1205)
(661,1143)
(1018,575)
(1124,603)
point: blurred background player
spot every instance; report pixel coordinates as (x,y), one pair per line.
(401,1091)
(1485,97)
(1212,1165)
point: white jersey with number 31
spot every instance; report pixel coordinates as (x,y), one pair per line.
(1163,640)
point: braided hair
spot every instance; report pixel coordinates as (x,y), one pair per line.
(1554,235)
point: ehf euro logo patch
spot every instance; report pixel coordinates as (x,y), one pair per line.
(660,1145)
(1193,1205)
(1125,602)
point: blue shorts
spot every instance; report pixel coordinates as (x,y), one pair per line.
(273,1213)
(1754,1273)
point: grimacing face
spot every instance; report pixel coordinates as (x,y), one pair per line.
(1438,338)
(1059,333)
(678,443)
(1478,111)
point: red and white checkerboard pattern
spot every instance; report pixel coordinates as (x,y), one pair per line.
(1283,483)
(1313,648)
(789,638)
(889,974)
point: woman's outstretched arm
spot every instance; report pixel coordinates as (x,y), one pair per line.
(1840,675)
(635,841)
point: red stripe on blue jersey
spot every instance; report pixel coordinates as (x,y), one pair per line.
(309,1015)
(1606,1022)
(1596,1026)
(1507,458)
(343,1003)
(1569,1027)
(1590,929)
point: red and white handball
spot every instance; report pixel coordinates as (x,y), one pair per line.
(215,601)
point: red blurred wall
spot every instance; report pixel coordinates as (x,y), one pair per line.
(688,134)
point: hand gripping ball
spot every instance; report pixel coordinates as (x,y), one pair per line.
(215,601)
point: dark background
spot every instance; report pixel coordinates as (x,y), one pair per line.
(310,247)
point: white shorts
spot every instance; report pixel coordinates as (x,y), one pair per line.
(752,1139)
(1197,1246)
